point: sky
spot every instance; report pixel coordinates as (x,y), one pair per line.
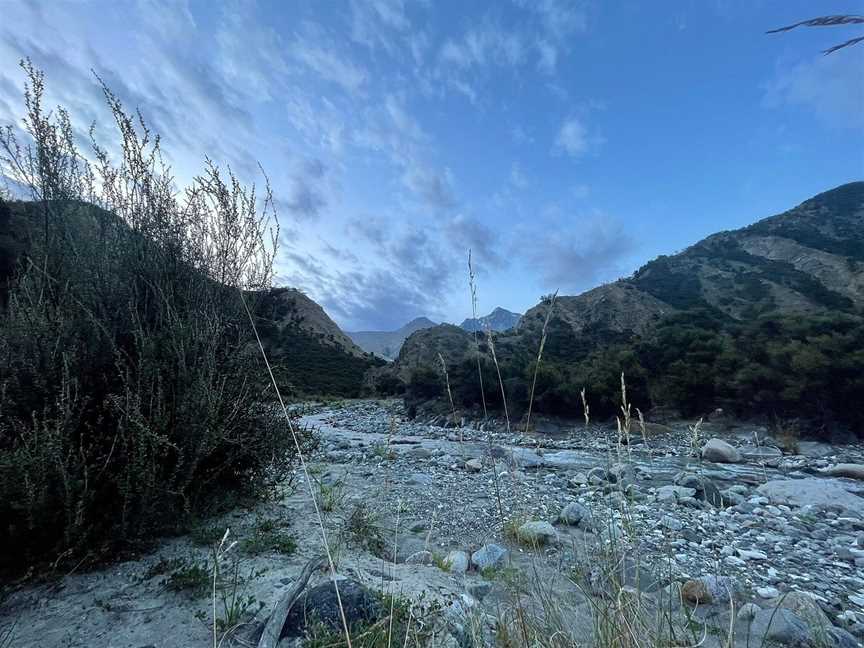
(566,143)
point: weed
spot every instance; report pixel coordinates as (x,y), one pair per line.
(269,535)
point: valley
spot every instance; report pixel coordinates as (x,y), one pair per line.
(407,506)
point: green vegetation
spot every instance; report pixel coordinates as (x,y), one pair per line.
(782,368)
(127,385)
(269,535)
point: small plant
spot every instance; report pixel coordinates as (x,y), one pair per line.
(189,577)
(269,534)
(330,496)
(362,529)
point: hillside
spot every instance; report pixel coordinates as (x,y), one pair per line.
(311,354)
(499,319)
(765,320)
(387,344)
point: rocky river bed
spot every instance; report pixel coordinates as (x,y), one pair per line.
(736,532)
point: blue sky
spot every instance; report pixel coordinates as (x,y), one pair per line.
(566,143)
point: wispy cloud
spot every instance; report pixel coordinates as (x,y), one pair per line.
(830,87)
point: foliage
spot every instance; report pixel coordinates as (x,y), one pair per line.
(127,389)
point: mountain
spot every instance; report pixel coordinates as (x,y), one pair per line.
(499,319)
(386,344)
(765,320)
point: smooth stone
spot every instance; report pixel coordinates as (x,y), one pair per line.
(537,533)
(767,592)
(456,562)
(718,451)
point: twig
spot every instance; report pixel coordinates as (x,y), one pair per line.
(270,636)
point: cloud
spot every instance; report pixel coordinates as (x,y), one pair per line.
(580,256)
(829,86)
(409,275)
(307,195)
(466,233)
(572,138)
(517,176)
(434,188)
(317,52)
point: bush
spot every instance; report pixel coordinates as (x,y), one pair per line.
(126,371)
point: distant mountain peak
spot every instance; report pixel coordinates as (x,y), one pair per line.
(500,319)
(386,344)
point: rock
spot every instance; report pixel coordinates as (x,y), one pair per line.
(752,554)
(767,592)
(456,562)
(760,453)
(597,476)
(719,451)
(708,589)
(674,493)
(812,491)
(488,557)
(479,590)
(359,602)
(537,533)
(474,465)
(804,606)
(420,558)
(407,546)
(574,513)
(779,626)
(850,470)
(671,523)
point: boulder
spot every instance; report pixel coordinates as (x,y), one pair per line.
(780,626)
(812,491)
(320,604)
(456,562)
(488,556)
(537,533)
(674,493)
(575,514)
(474,465)
(719,451)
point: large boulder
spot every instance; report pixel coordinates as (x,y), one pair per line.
(813,491)
(719,451)
(321,605)
(779,626)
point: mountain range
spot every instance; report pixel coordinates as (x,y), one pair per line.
(387,344)
(784,280)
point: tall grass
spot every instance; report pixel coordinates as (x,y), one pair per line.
(129,399)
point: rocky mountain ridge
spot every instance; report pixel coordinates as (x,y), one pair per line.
(499,320)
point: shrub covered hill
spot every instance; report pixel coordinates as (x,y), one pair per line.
(310,355)
(764,321)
